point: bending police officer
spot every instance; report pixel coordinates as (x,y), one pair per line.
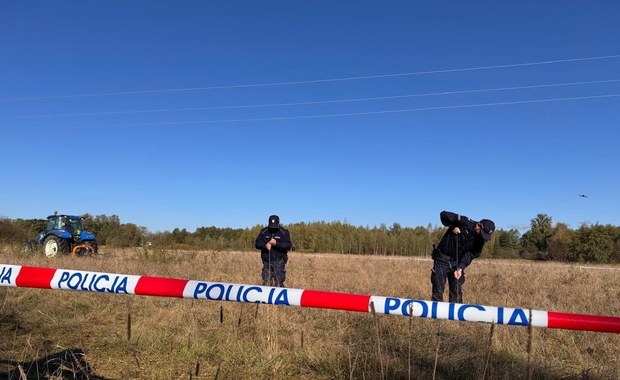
(274,242)
(459,246)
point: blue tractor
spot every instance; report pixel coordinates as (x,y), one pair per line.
(66,234)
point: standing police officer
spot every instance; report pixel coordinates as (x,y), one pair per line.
(274,243)
(459,246)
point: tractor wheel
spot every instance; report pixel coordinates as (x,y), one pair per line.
(54,244)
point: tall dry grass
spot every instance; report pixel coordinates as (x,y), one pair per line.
(182,339)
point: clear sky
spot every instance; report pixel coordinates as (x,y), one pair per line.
(198,113)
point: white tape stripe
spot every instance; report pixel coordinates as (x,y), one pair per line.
(94,281)
(8,274)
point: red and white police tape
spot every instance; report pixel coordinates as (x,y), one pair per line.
(52,278)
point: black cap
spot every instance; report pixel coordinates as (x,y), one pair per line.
(274,221)
(486,228)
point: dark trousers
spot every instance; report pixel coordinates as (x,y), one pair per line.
(441,272)
(277,269)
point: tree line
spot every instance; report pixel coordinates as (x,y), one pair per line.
(543,241)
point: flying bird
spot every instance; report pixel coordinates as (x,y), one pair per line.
(582,195)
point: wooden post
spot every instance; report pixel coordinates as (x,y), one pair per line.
(217,372)
(129,326)
(374,316)
(528,375)
(240,315)
(486,364)
(197,370)
(437,351)
(409,342)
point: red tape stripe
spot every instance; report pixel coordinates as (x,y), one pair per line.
(158,286)
(35,277)
(583,322)
(339,301)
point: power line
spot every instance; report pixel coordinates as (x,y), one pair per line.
(333,101)
(313,81)
(348,114)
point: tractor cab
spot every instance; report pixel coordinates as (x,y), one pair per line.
(69,223)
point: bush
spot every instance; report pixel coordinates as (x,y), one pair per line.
(595,243)
(12,233)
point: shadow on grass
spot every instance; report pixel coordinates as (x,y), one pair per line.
(66,364)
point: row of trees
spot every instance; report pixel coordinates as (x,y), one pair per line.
(335,237)
(589,243)
(544,240)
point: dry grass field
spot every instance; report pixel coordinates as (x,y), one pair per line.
(136,337)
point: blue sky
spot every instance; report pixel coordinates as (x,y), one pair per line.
(187,113)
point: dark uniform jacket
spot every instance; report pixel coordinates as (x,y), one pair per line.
(468,242)
(278,251)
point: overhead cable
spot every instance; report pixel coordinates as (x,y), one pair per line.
(313,81)
(345,114)
(318,102)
